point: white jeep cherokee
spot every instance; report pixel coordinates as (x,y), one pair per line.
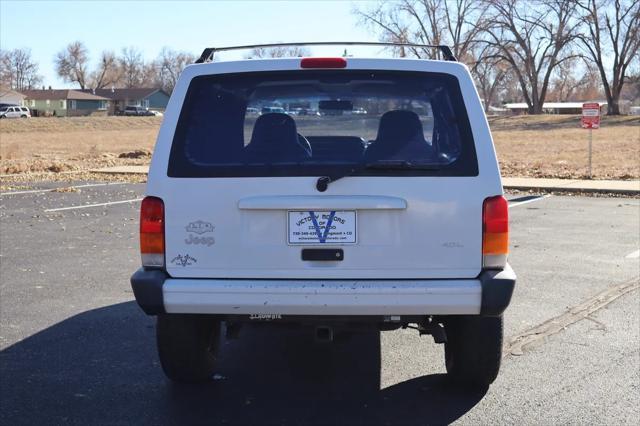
(330,193)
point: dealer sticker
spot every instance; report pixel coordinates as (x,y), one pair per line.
(322,227)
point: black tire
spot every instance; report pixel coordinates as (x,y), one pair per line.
(23,116)
(474,349)
(187,346)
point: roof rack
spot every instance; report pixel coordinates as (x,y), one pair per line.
(207,54)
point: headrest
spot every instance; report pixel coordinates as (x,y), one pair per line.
(275,138)
(399,126)
(274,128)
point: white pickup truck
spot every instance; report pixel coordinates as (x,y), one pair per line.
(393,217)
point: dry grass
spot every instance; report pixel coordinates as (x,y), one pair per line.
(555,146)
(538,146)
(67,144)
(73,124)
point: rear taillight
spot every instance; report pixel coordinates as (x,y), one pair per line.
(495,232)
(152,232)
(323,63)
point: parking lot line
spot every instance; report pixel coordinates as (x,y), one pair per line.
(37,191)
(633,255)
(529,200)
(93,205)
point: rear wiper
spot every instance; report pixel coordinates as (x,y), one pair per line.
(323,182)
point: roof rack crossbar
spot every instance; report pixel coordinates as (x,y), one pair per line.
(207,54)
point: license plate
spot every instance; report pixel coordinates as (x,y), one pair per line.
(322,227)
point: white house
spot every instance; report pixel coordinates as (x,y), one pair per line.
(8,96)
(551,107)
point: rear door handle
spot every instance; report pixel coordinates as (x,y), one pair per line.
(322,202)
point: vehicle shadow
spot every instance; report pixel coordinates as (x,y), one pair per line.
(101,367)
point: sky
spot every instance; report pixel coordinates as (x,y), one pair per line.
(46,27)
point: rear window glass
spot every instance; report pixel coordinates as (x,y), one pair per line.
(316,123)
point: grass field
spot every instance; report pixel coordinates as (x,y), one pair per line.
(537,146)
(555,146)
(64,144)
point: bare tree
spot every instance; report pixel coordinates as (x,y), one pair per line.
(574,80)
(532,36)
(18,71)
(457,23)
(71,64)
(490,75)
(591,87)
(631,89)
(132,67)
(150,75)
(169,65)
(108,73)
(613,37)
(278,52)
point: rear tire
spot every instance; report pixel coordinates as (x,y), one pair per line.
(474,349)
(187,346)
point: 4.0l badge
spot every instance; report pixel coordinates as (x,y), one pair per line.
(199,227)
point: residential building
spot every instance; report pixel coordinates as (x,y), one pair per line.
(11,97)
(152,98)
(64,103)
(552,107)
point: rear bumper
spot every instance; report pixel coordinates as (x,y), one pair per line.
(489,295)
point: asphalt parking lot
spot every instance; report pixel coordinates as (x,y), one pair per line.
(76,349)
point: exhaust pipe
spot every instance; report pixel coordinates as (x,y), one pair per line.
(324,334)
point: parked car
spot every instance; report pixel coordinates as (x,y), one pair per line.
(137,111)
(15,112)
(393,221)
(267,110)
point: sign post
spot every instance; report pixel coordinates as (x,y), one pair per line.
(590,120)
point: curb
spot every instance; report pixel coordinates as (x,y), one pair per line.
(572,189)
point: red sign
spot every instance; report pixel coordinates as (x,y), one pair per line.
(591,115)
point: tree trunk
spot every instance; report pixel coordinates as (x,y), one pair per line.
(613,105)
(536,105)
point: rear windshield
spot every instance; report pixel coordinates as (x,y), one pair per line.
(323,123)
